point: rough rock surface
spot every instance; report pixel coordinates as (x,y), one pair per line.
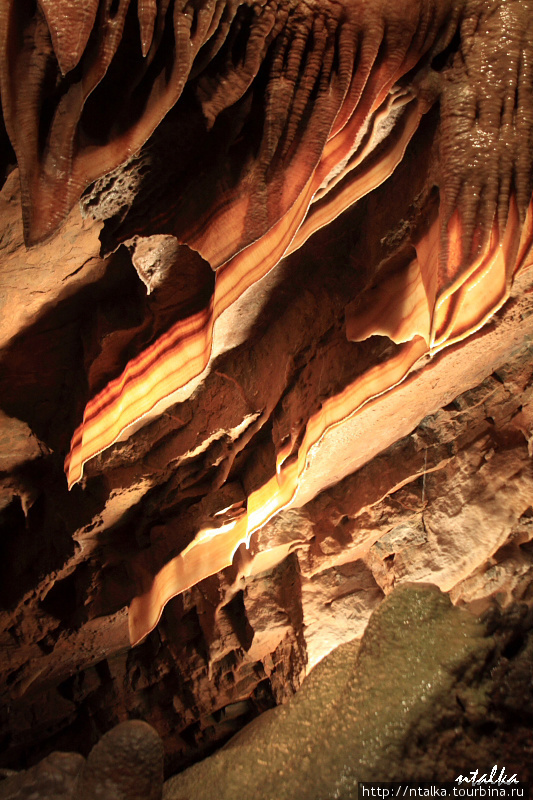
(418,699)
(303,247)
(126,764)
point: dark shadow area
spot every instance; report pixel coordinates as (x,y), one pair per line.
(235,613)
(66,599)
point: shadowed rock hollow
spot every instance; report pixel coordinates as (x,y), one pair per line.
(265,353)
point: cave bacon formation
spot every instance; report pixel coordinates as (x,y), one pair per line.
(326,98)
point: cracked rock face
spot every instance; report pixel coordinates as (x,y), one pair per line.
(428,667)
(266,338)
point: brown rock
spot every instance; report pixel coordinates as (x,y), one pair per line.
(286,338)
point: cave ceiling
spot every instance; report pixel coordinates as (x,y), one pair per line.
(265,344)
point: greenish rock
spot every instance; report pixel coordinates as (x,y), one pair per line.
(358,711)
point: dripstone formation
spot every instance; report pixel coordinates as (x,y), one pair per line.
(266,331)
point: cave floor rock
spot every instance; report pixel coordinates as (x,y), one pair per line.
(418,699)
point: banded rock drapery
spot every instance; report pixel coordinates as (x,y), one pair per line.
(325,100)
(315,226)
